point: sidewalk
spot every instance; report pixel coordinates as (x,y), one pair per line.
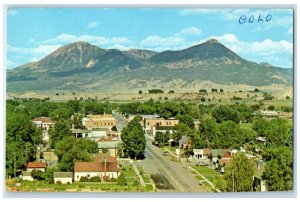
(137,172)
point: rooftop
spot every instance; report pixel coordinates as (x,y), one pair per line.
(36,165)
(44,119)
(63,174)
(96,167)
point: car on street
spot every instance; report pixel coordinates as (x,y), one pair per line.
(201,164)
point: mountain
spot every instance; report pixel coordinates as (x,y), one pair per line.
(83,67)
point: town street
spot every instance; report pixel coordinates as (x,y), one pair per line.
(175,175)
(169,176)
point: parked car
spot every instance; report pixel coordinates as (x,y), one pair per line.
(201,164)
(165,153)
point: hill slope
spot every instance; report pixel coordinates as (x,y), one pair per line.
(81,66)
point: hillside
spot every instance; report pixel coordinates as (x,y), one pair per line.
(83,67)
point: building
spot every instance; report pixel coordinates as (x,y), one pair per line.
(105,168)
(99,121)
(44,122)
(151,122)
(26,175)
(36,166)
(92,134)
(63,177)
(162,129)
(269,114)
(222,163)
(184,142)
(108,144)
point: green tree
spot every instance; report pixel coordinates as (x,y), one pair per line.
(180,130)
(187,120)
(162,138)
(278,171)
(225,113)
(210,130)
(60,130)
(134,141)
(69,151)
(239,175)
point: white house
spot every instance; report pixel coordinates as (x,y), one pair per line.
(36,166)
(105,169)
(26,175)
(63,177)
(44,122)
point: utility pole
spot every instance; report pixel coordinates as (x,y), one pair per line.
(105,169)
(232,180)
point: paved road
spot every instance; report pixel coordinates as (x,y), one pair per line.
(176,174)
(172,176)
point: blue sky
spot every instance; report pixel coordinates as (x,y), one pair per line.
(33,33)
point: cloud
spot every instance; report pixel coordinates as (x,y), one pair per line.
(92,25)
(259,51)
(191,31)
(10,64)
(11,11)
(95,40)
(163,42)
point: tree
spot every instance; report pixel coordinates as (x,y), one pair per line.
(61,129)
(202,99)
(134,141)
(225,113)
(239,175)
(202,91)
(271,107)
(256,90)
(278,172)
(180,130)
(69,151)
(287,97)
(162,138)
(140,92)
(114,128)
(38,175)
(121,180)
(211,133)
(187,119)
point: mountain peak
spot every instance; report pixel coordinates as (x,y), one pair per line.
(213,41)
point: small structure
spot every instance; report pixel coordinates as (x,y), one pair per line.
(63,177)
(104,168)
(149,123)
(198,153)
(269,114)
(184,142)
(261,139)
(44,122)
(36,166)
(222,163)
(26,175)
(111,146)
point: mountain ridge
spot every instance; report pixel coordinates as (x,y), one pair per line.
(84,64)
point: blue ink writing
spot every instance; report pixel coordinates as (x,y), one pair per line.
(250,19)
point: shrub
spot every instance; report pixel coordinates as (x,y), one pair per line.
(121,180)
(58,182)
(202,91)
(94,179)
(202,99)
(271,107)
(113,179)
(84,179)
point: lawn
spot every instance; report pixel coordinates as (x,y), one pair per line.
(210,174)
(144,175)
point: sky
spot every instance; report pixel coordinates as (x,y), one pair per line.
(259,35)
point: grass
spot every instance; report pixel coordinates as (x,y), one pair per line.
(144,175)
(208,173)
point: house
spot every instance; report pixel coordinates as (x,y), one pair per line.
(63,177)
(26,175)
(44,122)
(109,145)
(184,142)
(197,123)
(104,168)
(36,166)
(99,121)
(198,153)
(261,139)
(269,114)
(222,163)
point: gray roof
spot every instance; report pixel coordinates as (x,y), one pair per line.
(183,140)
(63,174)
(111,144)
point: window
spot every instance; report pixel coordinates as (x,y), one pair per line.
(148,123)
(77,176)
